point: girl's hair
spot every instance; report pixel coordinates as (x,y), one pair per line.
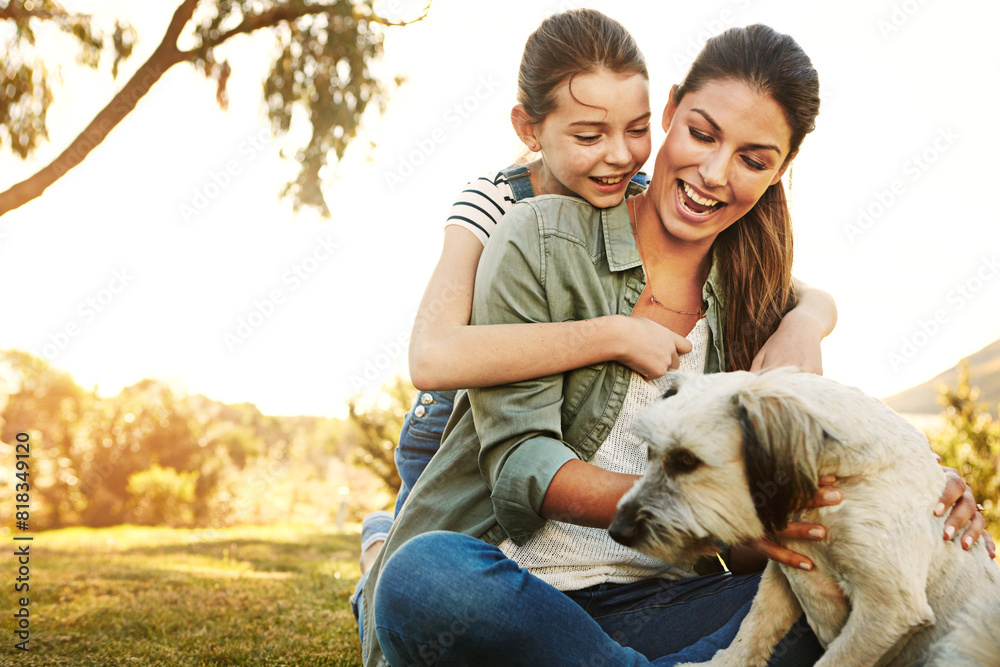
(567,44)
(755,254)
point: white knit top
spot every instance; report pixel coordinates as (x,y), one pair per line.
(571,557)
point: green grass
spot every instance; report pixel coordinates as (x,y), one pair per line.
(159,596)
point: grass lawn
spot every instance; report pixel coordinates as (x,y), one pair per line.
(158,596)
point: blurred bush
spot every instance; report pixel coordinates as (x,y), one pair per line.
(969,442)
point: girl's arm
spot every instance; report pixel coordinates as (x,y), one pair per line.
(447,353)
(797,339)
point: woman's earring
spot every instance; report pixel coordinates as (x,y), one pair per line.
(534,147)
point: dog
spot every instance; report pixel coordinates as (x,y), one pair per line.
(736,456)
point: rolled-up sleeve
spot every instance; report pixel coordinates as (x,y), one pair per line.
(519,424)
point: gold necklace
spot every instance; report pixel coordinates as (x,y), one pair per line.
(652,297)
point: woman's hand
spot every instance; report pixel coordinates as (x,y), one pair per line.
(964,513)
(648,348)
(753,555)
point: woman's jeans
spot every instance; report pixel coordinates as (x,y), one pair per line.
(420,437)
(449,599)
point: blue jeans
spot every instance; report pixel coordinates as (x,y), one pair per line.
(420,437)
(419,440)
(450,599)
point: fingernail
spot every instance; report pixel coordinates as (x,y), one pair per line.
(967,541)
(818,533)
(949,532)
(939,510)
(806,566)
(832,496)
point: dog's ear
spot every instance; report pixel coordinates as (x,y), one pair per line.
(781,438)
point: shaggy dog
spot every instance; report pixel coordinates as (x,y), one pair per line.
(735,456)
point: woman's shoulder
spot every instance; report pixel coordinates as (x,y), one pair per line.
(550,221)
(564,214)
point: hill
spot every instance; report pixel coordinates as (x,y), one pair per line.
(984,373)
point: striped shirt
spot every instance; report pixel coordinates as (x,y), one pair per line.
(481,205)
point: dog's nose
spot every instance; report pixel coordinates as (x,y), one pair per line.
(626,527)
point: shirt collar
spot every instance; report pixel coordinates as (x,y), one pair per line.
(618,239)
(711,287)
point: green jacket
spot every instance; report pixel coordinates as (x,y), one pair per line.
(552,259)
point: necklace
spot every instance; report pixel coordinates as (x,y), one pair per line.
(652,297)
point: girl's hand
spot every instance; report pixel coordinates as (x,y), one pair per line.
(796,343)
(649,348)
(964,513)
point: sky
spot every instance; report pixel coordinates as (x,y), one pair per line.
(167,254)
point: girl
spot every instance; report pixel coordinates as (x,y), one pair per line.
(528,575)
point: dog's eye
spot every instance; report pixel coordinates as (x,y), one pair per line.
(671,391)
(681,461)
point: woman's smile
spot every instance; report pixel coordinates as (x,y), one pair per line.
(695,203)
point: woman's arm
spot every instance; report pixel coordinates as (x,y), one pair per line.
(797,339)
(447,353)
(584,494)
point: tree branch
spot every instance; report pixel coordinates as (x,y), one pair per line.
(15,11)
(278,15)
(163,58)
(399,24)
(252,22)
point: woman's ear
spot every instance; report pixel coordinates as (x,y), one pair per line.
(784,168)
(671,108)
(524,127)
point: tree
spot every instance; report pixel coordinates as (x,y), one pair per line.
(323,53)
(47,404)
(162,497)
(378,429)
(970,443)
